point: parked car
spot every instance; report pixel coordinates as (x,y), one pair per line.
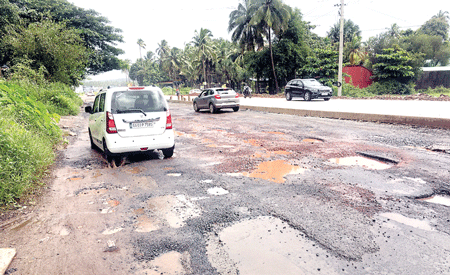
(308,89)
(215,99)
(131,119)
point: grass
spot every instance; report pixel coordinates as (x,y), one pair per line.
(29,114)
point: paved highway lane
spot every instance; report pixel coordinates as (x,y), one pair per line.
(247,193)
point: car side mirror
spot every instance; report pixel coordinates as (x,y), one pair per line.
(88,109)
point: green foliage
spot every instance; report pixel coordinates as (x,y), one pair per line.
(438,91)
(19,104)
(24,157)
(52,46)
(396,64)
(322,64)
(392,87)
(437,25)
(29,132)
(99,37)
(435,50)
(351,30)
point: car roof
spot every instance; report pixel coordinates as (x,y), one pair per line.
(133,88)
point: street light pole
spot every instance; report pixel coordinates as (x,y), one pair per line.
(341,49)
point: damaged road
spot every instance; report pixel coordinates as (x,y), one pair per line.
(245,193)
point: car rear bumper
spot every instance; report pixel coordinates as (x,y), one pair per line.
(119,145)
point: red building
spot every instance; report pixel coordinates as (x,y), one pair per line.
(359,76)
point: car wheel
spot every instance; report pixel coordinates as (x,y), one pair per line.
(212,109)
(288,96)
(307,96)
(236,108)
(106,152)
(168,153)
(93,146)
(196,107)
(326,99)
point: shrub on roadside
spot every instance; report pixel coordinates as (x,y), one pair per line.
(391,87)
(24,157)
(436,91)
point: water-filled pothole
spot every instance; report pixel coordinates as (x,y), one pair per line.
(274,171)
(438,199)
(364,162)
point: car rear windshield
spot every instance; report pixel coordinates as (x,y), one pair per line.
(137,101)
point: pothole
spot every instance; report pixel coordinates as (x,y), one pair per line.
(274,171)
(217,191)
(364,162)
(438,199)
(424,225)
(266,245)
(313,140)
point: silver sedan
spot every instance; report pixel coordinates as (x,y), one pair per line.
(215,99)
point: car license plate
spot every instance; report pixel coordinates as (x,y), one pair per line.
(141,125)
(324,93)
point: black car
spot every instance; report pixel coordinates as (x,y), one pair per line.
(308,89)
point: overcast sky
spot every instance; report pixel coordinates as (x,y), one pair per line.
(177,20)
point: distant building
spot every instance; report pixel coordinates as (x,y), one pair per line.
(433,77)
(359,76)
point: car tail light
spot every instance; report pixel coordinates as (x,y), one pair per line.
(110,124)
(217,96)
(168,120)
(136,88)
(237,95)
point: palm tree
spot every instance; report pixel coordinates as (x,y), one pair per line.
(274,16)
(353,48)
(163,49)
(124,66)
(247,35)
(204,49)
(142,45)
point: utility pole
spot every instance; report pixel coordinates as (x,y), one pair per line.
(341,49)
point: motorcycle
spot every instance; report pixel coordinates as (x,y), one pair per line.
(247,92)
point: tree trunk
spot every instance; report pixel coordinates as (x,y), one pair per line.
(273,64)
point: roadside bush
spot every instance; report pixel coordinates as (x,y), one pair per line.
(24,156)
(168,91)
(352,91)
(26,111)
(391,87)
(437,91)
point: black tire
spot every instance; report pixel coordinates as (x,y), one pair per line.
(288,96)
(235,109)
(196,107)
(108,155)
(93,146)
(326,99)
(168,153)
(212,108)
(307,96)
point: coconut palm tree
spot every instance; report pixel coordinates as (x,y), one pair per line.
(247,35)
(142,45)
(274,17)
(124,66)
(203,48)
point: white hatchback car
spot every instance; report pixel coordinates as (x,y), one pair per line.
(131,119)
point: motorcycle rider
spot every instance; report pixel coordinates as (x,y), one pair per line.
(247,91)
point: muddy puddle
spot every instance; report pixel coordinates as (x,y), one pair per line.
(438,199)
(169,210)
(169,263)
(274,171)
(363,162)
(217,191)
(266,245)
(419,224)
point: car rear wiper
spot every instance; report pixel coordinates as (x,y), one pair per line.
(131,111)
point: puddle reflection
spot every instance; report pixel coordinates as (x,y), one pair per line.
(361,161)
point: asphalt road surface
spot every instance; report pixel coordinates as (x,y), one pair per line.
(246,193)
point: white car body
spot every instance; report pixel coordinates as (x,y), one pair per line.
(131,119)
